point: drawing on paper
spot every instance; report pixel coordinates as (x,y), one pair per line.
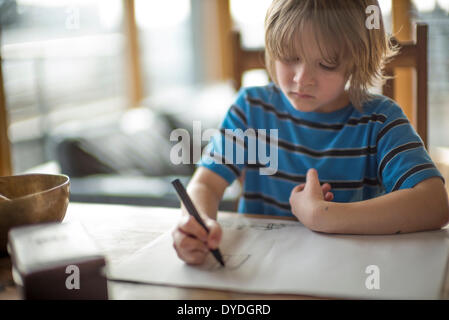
(225,224)
(232,262)
(268,226)
(262,226)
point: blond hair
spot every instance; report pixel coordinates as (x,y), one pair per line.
(341,35)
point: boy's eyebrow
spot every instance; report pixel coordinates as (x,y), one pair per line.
(318,55)
(333,62)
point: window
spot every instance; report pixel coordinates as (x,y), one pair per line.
(165,35)
(435,14)
(62,60)
(248,17)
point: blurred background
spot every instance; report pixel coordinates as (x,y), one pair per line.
(93,88)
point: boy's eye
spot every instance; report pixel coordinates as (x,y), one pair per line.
(290,60)
(327,67)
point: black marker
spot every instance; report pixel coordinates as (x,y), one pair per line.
(184,197)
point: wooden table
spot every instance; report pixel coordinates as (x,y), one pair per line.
(120,231)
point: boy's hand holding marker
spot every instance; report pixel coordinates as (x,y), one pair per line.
(305,199)
(191,242)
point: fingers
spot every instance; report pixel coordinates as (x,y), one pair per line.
(312,181)
(190,226)
(329,196)
(192,242)
(186,243)
(188,248)
(214,234)
(298,188)
(326,187)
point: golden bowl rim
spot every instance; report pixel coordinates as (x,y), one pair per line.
(67,181)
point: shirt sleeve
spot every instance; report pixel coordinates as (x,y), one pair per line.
(226,153)
(402,159)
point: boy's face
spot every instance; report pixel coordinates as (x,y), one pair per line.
(312,85)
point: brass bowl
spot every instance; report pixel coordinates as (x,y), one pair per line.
(34,198)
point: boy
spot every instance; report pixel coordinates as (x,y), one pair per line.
(322,59)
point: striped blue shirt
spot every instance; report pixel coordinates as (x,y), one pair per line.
(362,155)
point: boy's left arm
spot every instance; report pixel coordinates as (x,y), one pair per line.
(423,207)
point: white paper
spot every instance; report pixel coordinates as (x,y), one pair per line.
(278,256)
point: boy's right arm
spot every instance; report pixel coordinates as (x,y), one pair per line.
(190,240)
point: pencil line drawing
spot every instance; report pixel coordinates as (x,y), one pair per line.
(268,226)
(264,226)
(225,224)
(232,262)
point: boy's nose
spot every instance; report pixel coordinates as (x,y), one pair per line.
(304,75)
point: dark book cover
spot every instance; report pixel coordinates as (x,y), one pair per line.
(57,261)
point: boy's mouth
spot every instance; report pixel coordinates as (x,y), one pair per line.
(301,95)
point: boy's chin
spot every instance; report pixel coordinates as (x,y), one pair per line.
(305,107)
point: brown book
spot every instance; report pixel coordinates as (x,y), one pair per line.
(57,261)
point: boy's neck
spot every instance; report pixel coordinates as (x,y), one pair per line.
(339,103)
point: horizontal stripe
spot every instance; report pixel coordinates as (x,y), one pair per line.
(222,160)
(287,116)
(366,119)
(316,125)
(240,114)
(390,126)
(265,198)
(394,152)
(353,152)
(335,184)
(229,133)
(349,152)
(413,170)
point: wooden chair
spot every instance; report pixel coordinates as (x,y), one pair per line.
(412,54)
(5,149)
